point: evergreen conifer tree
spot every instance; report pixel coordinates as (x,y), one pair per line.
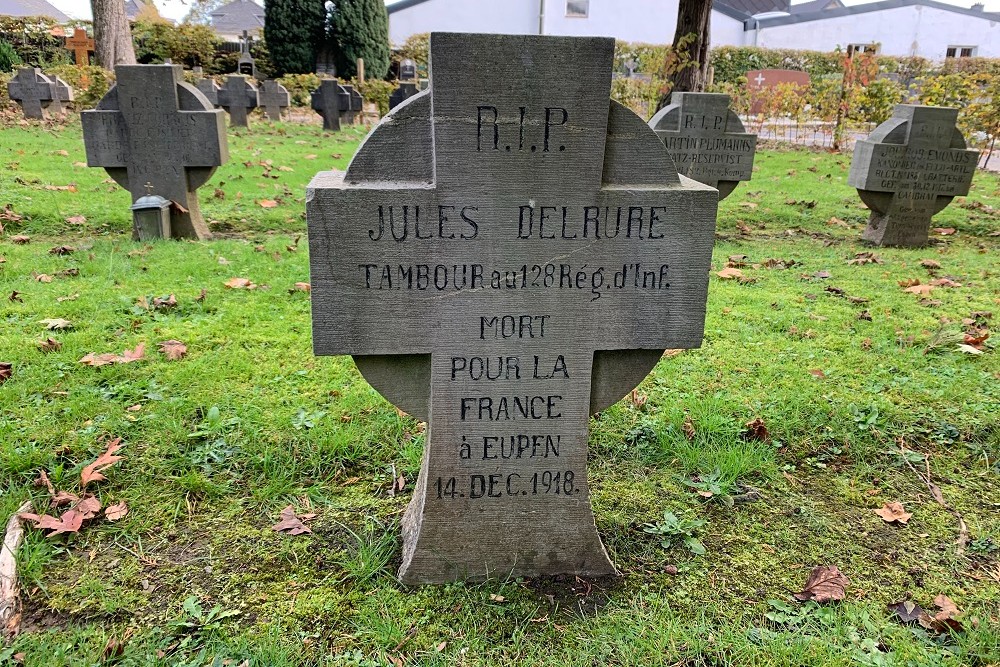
(294,30)
(360,29)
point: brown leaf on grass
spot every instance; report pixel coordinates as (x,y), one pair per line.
(88,506)
(826,583)
(944,231)
(61,188)
(69,521)
(908,282)
(6,370)
(865,258)
(290,523)
(20,239)
(835,221)
(945,620)
(62,250)
(267,203)
(906,611)
(93,471)
(930,264)
(161,303)
(9,215)
(60,498)
(173,349)
(755,429)
(125,357)
(41,277)
(240,283)
(817,373)
(68,273)
(56,323)
(201,297)
(301,287)
(921,290)
(729,273)
(49,345)
(76,219)
(944,282)
(688,427)
(116,511)
(43,480)
(15,296)
(894,513)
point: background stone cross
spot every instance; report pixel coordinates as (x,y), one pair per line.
(210,89)
(238,96)
(351,104)
(326,101)
(706,140)
(63,93)
(33,91)
(81,45)
(504,267)
(154,130)
(909,168)
(273,97)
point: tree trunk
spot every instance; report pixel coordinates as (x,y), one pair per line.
(688,64)
(112,34)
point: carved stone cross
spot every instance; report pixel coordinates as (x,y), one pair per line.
(210,89)
(238,97)
(273,97)
(508,253)
(81,45)
(153,129)
(326,101)
(909,168)
(706,140)
(34,91)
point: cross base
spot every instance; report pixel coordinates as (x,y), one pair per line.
(899,229)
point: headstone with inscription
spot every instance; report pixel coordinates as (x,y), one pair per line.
(706,140)
(908,169)
(210,89)
(156,134)
(238,97)
(508,253)
(81,45)
(274,99)
(33,91)
(761,81)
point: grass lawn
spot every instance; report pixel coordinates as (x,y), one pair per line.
(861,386)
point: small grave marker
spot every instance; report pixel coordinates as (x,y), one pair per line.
(81,45)
(909,168)
(328,100)
(33,91)
(238,97)
(508,254)
(155,134)
(351,104)
(246,65)
(706,140)
(63,93)
(274,98)
(210,89)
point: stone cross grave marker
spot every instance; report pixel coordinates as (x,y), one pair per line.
(405,91)
(326,101)
(909,168)
(63,93)
(507,254)
(706,140)
(33,91)
(246,64)
(210,89)
(81,45)
(274,98)
(154,133)
(238,97)
(351,104)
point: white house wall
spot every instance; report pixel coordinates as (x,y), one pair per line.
(902,31)
(649,21)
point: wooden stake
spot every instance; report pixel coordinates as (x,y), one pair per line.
(361,70)
(10,603)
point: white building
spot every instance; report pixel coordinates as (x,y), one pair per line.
(925,28)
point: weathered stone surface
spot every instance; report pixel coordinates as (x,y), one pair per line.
(156,134)
(63,93)
(210,89)
(33,91)
(706,140)
(504,268)
(238,97)
(351,104)
(274,98)
(908,169)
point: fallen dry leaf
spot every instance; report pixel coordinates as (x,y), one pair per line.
(894,513)
(944,282)
(729,273)
(290,523)
(267,203)
(20,239)
(173,349)
(755,430)
(160,303)
(922,290)
(906,611)
(76,219)
(302,287)
(56,323)
(826,583)
(88,507)
(688,428)
(239,283)
(93,472)
(116,511)
(6,370)
(125,357)
(62,250)
(969,349)
(42,277)
(69,521)
(49,345)
(816,372)
(944,231)
(930,264)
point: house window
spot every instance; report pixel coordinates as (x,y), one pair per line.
(862,48)
(577,8)
(960,52)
